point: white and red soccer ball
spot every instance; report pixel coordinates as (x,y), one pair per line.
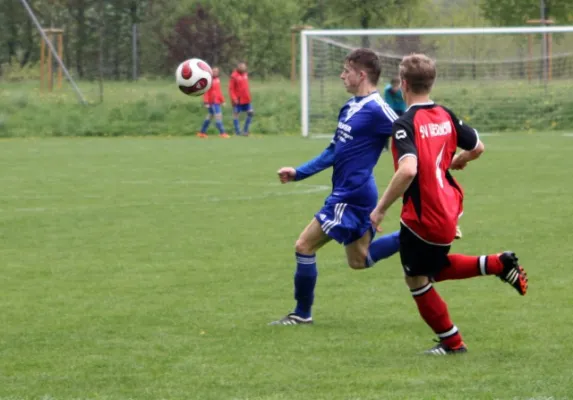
(194,77)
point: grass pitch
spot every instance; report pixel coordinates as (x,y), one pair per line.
(148,269)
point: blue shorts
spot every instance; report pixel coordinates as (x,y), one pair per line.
(214,109)
(242,107)
(344,222)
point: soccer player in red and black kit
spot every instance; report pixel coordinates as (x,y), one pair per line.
(424,144)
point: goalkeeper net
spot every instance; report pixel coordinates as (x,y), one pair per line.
(496,79)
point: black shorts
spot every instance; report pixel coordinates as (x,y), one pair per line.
(420,258)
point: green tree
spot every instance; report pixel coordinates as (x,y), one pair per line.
(17,33)
(367,14)
(517,12)
(263,27)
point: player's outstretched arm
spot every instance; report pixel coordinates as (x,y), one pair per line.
(323,161)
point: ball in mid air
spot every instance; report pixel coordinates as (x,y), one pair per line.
(194,77)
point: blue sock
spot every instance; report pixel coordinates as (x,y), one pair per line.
(205,125)
(304,282)
(236,124)
(248,123)
(383,247)
(220,126)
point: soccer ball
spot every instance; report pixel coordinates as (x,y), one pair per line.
(194,77)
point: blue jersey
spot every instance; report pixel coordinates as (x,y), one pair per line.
(364,126)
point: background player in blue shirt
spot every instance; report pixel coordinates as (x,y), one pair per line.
(393,96)
(364,126)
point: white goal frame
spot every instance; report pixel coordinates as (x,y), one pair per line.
(306,34)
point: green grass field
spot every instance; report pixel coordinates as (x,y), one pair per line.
(148,268)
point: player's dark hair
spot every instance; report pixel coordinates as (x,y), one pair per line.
(419,72)
(368,61)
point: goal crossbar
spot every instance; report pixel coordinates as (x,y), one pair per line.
(436,31)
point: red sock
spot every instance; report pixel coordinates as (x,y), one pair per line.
(463,267)
(435,312)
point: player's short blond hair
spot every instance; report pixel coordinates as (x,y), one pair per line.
(419,72)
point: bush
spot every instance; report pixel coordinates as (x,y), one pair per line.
(158,108)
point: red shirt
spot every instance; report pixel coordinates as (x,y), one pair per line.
(433,202)
(239,88)
(214,95)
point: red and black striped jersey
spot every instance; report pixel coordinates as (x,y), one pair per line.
(434,201)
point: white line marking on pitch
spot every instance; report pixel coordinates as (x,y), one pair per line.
(62,196)
(211,199)
(568,134)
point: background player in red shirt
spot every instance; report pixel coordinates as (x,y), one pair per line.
(424,143)
(213,100)
(241,97)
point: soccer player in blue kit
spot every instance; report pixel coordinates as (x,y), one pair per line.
(364,127)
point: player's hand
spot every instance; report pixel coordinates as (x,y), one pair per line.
(206,105)
(286,174)
(458,163)
(376,218)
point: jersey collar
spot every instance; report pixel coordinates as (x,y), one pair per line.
(358,98)
(428,103)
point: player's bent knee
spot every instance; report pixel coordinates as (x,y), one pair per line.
(415,282)
(250,113)
(357,264)
(357,261)
(356,256)
(303,247)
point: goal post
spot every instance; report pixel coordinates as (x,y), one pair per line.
(495,77)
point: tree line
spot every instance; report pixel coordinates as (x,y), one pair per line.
(116,38)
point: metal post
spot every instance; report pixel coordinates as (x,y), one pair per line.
(42,63)
(544,41)
(549,57)
(50,65)
(292,55)
(134,50)
(304,81)
(61,55)
(53,50)
(530,56)
(100,55)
